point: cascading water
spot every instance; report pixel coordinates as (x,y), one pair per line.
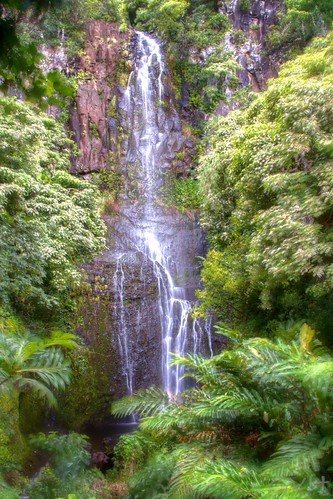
(120,314)
(148,134)
(143,285)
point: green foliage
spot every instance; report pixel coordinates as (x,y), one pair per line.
(139,404)
(108,181)
(182,193)
(166,16)
(49,219)
(267,196)
(68,453)
(67,472)
(27,362)
(187,194)
(193,30)
(302,20)
(70,18)
(30,362)
(255,425)
(153,479)
(20,58)
(12,448)
(245,5)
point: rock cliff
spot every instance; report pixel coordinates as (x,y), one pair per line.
(101,66)
(120,313)
(254,22)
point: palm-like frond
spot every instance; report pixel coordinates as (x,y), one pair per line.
(171,418)
(188,460)
(284,384)
(299,453)
(285,489)
(26,360)
(144,403)
(222,478)
(50,366)
(204,370)
(39,388)
(246,401)
(317,377)
(61,339)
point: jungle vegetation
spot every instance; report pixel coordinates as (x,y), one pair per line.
(251,427)
(258,422)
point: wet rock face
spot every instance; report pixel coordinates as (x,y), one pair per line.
(255,22)
(92,119)
(121,313)
(108,316)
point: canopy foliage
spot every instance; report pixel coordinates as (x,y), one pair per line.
(49,219)
(267,187)
(258,424)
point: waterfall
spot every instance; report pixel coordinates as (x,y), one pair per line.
(143,286)
(123,334)
(148,130)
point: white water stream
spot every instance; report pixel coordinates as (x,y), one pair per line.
(148,228)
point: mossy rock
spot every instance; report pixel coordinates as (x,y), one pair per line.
(13,449)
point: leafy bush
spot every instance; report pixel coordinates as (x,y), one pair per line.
(267,197)
(49,219)
(258,424)
(68,472)
(153,479)
(302,20)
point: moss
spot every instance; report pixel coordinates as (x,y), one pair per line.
(93,130)
(245,5)
(88,397)
(13,449)
(32,413)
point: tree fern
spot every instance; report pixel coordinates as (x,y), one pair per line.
(223,478)
(144,403)
(169,419)
(317,377)
(204,370)
(29,361)
(294,456)
(188,459)
(248,401)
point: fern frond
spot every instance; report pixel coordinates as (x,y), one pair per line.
(244,400)
(61,339)
(233,335)
(295,457)
(144,402)
(40,388)
(222,478)
(209,412)
(318,378)
(202,369)
(168,420)
(50,366)
(188,459)
(282,489)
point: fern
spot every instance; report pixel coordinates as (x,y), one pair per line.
(318,378)
(222,478)
(26,360)
(188,459)
(297,454)
(249,400)
(144,403)
(168,420)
